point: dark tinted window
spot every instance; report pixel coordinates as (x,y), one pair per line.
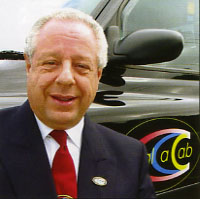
(179,15)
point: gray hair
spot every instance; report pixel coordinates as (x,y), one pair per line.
(69,13)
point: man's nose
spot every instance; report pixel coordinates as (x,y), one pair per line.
(66,74)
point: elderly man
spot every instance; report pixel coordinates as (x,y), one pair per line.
(48,147)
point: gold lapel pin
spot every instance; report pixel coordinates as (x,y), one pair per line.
(64,197)
(99,181)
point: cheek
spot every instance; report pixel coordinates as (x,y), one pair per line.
(39,81)
(83,84)
(44,81)
(91,86)
(96,82)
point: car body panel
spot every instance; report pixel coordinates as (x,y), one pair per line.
(157,103)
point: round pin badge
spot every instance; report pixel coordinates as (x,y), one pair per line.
(99,181)
(64,197)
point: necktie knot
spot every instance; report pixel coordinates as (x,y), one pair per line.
(60,136)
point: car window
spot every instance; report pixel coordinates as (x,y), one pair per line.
(17,17)
(182,16)
(84,5)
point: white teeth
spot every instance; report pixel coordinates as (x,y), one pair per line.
(63,99)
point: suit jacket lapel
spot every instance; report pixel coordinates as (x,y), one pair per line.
(28,165)
(95,162)
(25,157)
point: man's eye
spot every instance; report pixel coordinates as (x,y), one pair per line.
(83,66)
(50,62)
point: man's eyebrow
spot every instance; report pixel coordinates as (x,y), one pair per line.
(57,56)
(48,54)
(82,57)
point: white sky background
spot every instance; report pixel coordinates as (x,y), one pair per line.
(17,17)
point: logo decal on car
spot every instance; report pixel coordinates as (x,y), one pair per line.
(173,150)
(173,154)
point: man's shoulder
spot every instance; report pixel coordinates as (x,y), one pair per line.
(115,138)
(118,145)
(116,135)
(7,112)
(12,115)
(7,121)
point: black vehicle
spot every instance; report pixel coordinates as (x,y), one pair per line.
(150,88)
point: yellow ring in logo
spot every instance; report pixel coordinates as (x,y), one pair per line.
(176,164)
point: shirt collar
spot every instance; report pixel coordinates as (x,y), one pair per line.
(75,133)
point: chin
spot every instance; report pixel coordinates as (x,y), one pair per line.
(63,121)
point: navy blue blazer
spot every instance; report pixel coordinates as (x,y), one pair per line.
(25,172)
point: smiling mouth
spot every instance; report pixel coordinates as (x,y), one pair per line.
(63,99)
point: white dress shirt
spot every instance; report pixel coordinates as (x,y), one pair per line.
(73,142)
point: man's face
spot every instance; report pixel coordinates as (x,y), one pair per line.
(63,76)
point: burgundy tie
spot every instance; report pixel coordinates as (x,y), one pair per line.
(63,169)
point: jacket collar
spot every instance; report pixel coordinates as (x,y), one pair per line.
(28,164)
(95,161)
(25,156)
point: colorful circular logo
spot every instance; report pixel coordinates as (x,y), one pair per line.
(173,150)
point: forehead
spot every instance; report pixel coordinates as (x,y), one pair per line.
(64,38)
(69,28)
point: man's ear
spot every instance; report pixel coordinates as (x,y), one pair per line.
(28,63)
(100,70)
